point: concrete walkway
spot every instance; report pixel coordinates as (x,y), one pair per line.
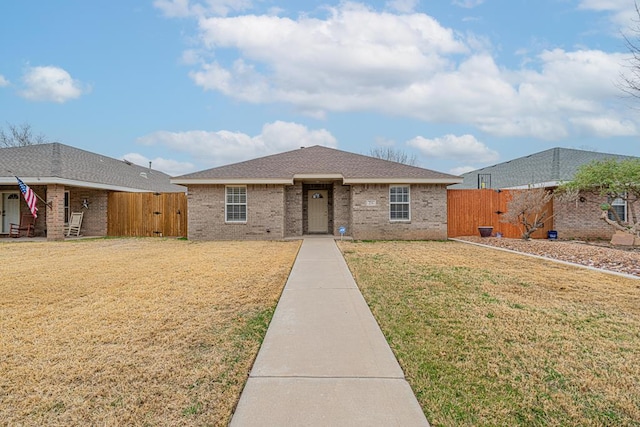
(324,360)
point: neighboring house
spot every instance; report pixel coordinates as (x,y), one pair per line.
(548,169)
(317,190)
(69,179)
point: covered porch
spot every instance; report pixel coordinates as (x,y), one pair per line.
(55,204)
(317,206)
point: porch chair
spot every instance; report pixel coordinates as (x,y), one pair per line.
(27,226)
(75,222)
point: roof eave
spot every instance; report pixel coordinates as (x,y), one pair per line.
(318,176)
(446,181)
(70,183)
(546,184)
(303,177)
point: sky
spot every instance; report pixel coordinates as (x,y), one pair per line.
(194,84)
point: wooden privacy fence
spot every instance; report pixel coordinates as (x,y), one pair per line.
(147,215)
(469,209)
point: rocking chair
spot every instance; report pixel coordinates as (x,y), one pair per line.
(75,222)
(27,226)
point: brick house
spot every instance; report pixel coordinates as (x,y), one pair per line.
(548,169)
(70,180)
(317,190)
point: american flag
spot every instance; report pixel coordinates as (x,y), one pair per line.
(29,196)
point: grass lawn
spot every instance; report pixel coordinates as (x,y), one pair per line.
(133,331)
(492,338)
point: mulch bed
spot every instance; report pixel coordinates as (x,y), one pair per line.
(593,254)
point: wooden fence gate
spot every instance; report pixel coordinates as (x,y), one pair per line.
(147,215)
(469,209)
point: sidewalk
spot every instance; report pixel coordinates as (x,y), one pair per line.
(324,360)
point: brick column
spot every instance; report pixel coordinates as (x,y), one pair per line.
(55,214)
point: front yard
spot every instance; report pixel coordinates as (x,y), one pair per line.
(163,332)
(133,331)
(493,338)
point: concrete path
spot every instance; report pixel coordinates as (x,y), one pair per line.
(324,360)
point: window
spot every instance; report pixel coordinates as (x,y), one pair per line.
(236,204)
(619,205)
(399,203)
(484,180)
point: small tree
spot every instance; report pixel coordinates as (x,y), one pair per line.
(394,155)
(20,136)
(527,208)
(611,179)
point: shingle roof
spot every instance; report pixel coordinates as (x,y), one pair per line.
(548,167)
(316,162)
(58,163)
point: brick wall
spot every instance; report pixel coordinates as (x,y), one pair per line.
(55,214)
(265,213)
(341,208)
(280,209)
(293,210)
(94,221)
(581,220)
(370,213)
(43,210)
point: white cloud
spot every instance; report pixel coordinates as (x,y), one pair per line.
(174,8)
(404,65)
(168,166)
(332,64)
(185,8)
(402,6)
(540,102)
(602,5)
(468,4)
(190,57)
(604,126)
(461,170)
(3,81)
(224,147)
(464,148)
(51,84)
(623,13)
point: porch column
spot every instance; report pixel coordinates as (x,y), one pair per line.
(55,214)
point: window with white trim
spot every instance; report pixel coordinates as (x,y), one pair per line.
(399,203)
(236,204)
(619,205)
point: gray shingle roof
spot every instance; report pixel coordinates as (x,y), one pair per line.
(317,161)
(550,166)
(58,163)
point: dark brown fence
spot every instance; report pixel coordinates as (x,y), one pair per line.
(469,209)
(147,215)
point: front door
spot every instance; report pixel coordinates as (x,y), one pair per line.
(318,211)
(10,210)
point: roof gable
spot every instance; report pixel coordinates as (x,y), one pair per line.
(58,163)
(316,162)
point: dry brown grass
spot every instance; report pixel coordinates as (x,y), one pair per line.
(133,331)
(492,338)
